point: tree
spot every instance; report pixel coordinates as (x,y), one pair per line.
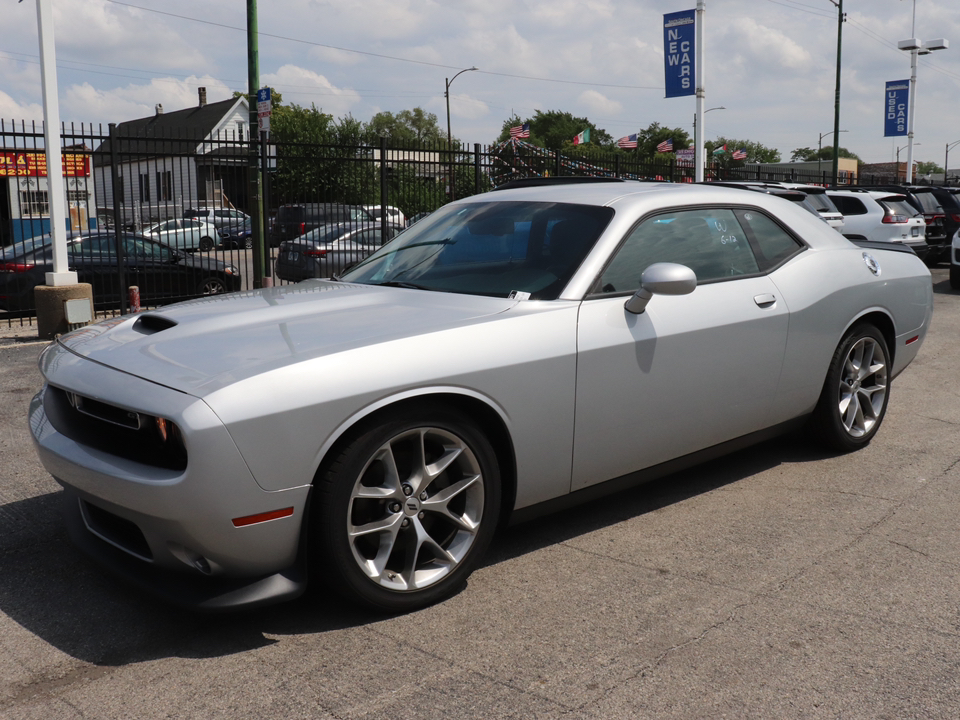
(556,129)
(756,153)
(407,127)
(654,134)
(806,154)
(928,168)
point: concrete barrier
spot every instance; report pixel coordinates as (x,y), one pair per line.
(50,299)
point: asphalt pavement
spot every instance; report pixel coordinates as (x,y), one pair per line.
(779,582)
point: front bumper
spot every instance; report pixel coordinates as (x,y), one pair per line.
(170,530)
(192,591)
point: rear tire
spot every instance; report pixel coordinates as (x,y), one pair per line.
(955,276)
(212,286)
(854,398)
(206,244)
(405,510)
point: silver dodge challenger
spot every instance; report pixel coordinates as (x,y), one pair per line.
(513,353)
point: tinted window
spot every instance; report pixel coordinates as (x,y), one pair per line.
(821,201)
(850,205)
(899,207)
(773,243)
(928,202)
(710,242)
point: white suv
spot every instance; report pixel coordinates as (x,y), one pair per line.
(881,216)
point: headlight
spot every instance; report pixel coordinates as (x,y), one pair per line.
(231,270)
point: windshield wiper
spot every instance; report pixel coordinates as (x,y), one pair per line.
(401,284)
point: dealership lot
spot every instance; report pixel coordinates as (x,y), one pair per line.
(778,582)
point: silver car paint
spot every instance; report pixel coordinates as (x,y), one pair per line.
(232,373)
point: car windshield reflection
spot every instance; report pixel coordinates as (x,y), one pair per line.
(490,248)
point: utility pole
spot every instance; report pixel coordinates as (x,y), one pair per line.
(255,198)
(836,101)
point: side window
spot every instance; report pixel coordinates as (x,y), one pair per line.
(773,243)
(710,242)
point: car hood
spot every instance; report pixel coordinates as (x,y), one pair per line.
(203,345)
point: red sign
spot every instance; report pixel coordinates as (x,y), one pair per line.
(31,164)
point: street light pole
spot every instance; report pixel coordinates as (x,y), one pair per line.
(898,160)
(946,157)
(697,139)
(916,47)
(446,94)
(820,150)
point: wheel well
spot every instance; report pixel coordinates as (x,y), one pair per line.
(884,324)
(482,414)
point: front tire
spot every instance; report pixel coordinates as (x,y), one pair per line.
(854,398)
(406,509)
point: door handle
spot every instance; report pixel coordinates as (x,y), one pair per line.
(765,300)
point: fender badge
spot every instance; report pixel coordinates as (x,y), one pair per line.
(872,264)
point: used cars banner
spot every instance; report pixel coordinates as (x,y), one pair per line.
(895,110)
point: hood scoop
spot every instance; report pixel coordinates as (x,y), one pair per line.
(150,324)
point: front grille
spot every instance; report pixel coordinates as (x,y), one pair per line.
(113,430)
(117,531)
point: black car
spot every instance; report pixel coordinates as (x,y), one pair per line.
(162,273)
(328,250)
(294,220)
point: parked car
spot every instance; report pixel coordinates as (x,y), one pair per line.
(237,236)
(820,201)
(219,217)
(328,250)
(925,201)
(881,216)
(949,199)
(163,273)
(515,352)
(294,220)
(819,208)
(955,261)
(394,215)
(187,234)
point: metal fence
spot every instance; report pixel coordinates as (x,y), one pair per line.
(126,190)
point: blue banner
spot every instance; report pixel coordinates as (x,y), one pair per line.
(896,101)
(679,43)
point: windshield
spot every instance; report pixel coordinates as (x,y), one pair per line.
(489,248)
(26,246)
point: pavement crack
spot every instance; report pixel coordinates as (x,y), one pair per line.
(54,686)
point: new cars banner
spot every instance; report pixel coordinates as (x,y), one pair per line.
(679,43)
(895,111)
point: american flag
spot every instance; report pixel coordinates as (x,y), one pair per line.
(740,154)
(665,146)
(520,131)
(629,141)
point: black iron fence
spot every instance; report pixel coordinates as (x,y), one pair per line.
(169,213)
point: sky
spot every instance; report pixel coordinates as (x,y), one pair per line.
(770,63)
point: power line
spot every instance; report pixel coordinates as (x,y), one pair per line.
(383,57)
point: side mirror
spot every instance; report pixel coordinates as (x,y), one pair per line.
(661,279)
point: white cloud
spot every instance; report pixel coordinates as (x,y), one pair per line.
(305,87)
(599,104)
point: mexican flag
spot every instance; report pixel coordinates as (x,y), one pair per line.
(720,150)
(582,138)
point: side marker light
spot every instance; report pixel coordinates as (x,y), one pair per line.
(262,517)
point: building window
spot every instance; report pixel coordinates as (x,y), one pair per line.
(240,130)
(144,188)
(165,185)
(34,202)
